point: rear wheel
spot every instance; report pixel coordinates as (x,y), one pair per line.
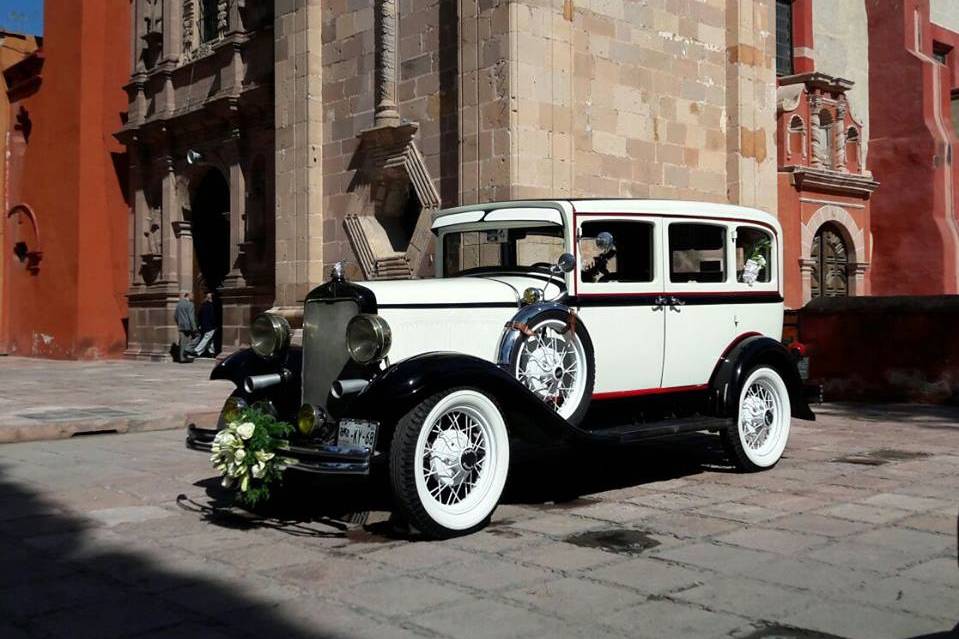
(448,463)
(758,438)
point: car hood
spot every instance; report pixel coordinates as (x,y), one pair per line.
(454,291)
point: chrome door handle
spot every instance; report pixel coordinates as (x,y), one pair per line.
(676,302)
(659,302)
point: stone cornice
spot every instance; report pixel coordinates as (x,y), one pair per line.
(810,179)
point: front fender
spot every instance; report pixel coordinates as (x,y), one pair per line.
(405,384)
(242,364)
(734,366)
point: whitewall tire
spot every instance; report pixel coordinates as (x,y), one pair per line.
(449,461)
(758,437)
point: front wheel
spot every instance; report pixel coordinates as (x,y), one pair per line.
(448,463)
(758,438)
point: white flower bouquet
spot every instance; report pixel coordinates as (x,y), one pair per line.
(756,262)
(245,453)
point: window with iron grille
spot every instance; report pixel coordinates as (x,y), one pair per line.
(784,37)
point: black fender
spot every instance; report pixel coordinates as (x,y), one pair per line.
(405,384)
(735,365)
(244,363)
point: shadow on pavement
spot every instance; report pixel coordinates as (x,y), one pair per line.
(922,415)
(62,575)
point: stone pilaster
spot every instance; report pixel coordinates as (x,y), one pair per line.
(234,278)
(171,214)
(806,266)
(751,103)
(172,30)
(299,138)
(183,232)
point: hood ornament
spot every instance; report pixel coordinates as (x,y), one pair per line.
(336,273)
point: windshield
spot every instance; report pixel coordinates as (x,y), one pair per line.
(495,249)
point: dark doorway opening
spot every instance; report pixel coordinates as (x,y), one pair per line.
(211,243)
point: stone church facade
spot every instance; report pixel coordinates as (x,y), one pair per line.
(270,140)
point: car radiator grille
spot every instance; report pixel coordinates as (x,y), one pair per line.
(324,346)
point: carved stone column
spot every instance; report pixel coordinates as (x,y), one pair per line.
(386,113)
(140,212)
(189,20)
(819,157)
(806,266)
(234,278)
(183,232)
(172,29)
(856,272)
(840,155)
(171,214)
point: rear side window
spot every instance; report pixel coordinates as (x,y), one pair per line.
(754,255)
(616,251)
(697,253)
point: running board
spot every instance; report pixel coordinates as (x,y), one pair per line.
(628,433)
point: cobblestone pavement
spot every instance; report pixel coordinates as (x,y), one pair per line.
(852,535)
(50,399)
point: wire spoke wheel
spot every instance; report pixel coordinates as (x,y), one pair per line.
(449,461)
(552,363)
(762,425)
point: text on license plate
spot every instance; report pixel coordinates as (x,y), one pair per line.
(357,434)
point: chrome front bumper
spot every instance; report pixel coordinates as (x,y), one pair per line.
(318,459)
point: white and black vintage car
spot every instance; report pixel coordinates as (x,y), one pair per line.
(542,313)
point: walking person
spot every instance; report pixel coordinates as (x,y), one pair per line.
(185,315)
(205,346)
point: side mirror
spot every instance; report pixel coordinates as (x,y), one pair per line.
(566,262)
(604,241)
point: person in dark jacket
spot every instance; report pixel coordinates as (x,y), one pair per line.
(185,316)
(205,346)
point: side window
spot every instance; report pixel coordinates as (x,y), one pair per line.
(754,255)
(697,253)
(616,251)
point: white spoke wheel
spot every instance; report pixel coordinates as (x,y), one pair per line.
(448,462)
(758,437)
(554,360)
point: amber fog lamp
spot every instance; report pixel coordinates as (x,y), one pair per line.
(232,409)
(269,335)
(307,419)
(368,338)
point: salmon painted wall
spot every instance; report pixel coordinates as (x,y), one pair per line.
(72,305)
(915,226)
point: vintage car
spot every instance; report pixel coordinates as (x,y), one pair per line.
(541,314)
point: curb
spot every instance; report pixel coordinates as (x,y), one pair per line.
(38,431)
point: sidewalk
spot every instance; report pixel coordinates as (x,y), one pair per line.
(49,399)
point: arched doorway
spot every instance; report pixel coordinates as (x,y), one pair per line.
(210,206)
(830,269)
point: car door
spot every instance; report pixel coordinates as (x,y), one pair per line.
(700,317)
(619,281)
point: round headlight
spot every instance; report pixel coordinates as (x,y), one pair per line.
(307,418)
(532,295)
(269,335)
(368,338)
(232,409)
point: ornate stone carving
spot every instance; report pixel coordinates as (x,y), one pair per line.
(153,244)
(222,17)
(153,16)
(189,20)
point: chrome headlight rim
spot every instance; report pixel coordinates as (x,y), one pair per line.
(368,338)
(270,335)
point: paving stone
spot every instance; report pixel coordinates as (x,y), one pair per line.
(420,555)
(685,525)
(490,574)
(860,556)
(746,598)
(907,502)
(941,570)
(131,615)
(488,619)
(945,524)
(783,542)
(858,621)
(617,512)
(864,513)
(718,557)
(806,574)
(402,596)
(575,599)
(649,576)
(331,574)
(128,514)
(558,525)
(913,542)
(820,525)
(910,596)
(671,619)
(671,501)
(563,556)
(746,513)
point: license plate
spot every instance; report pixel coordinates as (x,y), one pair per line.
(356,433)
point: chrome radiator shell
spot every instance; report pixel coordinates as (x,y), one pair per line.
(324,346)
